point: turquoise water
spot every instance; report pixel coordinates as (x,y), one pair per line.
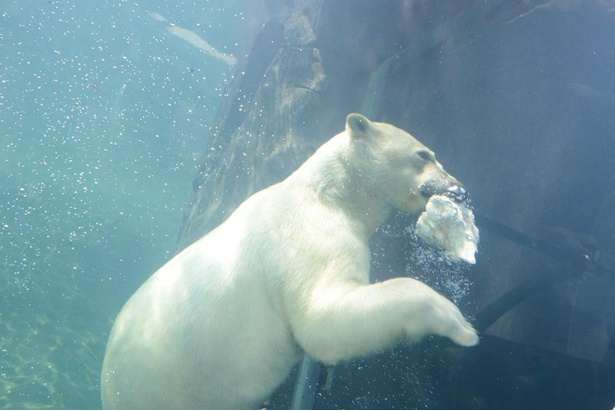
(104,114)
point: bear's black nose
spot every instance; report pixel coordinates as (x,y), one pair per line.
(457,192)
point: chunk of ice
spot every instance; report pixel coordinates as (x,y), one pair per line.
(450,226)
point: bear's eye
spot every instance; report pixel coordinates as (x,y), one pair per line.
(425,155)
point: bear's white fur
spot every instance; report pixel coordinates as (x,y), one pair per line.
(222,323)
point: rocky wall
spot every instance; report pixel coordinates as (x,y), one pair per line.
(512,96)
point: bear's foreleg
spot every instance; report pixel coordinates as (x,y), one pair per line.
(345,319)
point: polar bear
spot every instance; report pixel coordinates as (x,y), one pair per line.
(223,322)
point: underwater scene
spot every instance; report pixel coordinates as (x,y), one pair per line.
(450,245)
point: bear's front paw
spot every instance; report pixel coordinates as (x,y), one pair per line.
(456,327)
(464,334)
(444,318)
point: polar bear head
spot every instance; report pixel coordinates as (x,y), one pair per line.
(399,169)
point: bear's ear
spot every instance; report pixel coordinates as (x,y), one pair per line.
(357,124)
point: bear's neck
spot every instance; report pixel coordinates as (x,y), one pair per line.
(359,204)
(338,185)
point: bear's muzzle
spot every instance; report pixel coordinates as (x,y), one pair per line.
(457,192)
(454,190)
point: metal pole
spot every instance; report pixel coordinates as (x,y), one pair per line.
(306,385)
